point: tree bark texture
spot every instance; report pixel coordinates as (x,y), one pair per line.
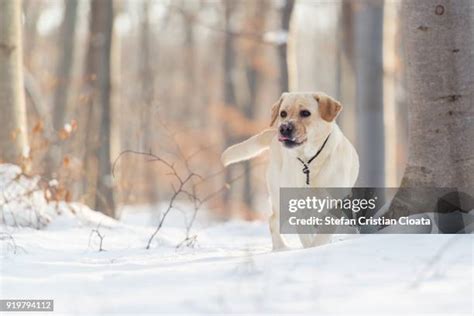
(13,124)
(98,75)
(439,50)
(368,54)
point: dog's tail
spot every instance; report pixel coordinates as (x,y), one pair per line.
(249,148)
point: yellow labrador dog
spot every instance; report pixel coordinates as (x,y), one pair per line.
(307,149)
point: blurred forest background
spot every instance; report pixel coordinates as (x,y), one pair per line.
(183,79)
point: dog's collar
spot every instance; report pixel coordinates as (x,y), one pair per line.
(306,164)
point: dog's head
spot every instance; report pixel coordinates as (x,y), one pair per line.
(303,117)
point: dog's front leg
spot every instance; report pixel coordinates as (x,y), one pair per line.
(314,240)
(277,239)
(306,240)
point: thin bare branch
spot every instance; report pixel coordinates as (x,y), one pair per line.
(97,232)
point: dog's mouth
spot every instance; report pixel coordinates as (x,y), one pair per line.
(290,142)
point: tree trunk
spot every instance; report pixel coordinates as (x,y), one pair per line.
(64,76)
(148,83)
(229,90)
(346,23)
(439,50)
(253,70)
(31,12)
(345,69)
(252,81)
(117,108)
(368,50)
(13,125)
(66,63)
(283,48)
(190,64)
(98,75)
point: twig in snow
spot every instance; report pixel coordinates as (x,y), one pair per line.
(97,232)
(433,260)
(177,191)
(189,241)
(181,189)
(4,236)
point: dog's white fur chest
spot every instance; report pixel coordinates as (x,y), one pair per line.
(291,174)
(329,168)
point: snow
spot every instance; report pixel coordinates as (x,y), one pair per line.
(232,269)
(23,202)
(229,269)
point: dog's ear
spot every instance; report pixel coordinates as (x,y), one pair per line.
(329,108)
(276,109)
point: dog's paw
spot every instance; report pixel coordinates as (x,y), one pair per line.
(280,248)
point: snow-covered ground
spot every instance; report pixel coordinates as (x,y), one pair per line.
(231,269)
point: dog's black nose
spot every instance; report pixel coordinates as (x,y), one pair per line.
(286,129)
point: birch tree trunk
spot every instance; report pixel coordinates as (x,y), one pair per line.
(13,125)
(368,44)
(439,50)
(98,73)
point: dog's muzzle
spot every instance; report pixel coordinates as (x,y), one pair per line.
(286,135)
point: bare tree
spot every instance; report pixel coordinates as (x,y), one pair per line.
(98,75)
(66,62)
(345,69)
(229,87)
(13,125)
(148,91)
(253,68)
(368,54)
(190,59)
(439,45)
(286,13)
(31,12)
(64,76)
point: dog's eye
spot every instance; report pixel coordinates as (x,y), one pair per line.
(283,114)
(305,113)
